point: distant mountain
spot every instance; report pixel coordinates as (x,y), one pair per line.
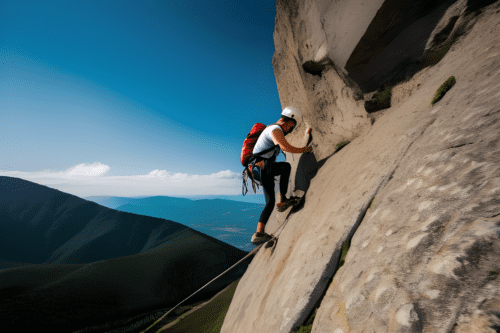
(114,202)
(233,222)
(69,263)
(250,198)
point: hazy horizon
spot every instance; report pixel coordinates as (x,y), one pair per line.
(251,198)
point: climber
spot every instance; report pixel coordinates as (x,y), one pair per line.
(274,135)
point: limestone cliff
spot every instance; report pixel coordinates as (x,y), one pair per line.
(416,192)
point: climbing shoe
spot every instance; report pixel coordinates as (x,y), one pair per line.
(292,201)
(260,237)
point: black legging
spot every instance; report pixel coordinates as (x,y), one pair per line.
(277,169)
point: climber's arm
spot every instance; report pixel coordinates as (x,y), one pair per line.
(279,139)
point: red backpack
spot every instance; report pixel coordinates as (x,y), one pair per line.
(247,153)
(249,143)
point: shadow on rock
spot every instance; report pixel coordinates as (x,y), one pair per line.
(307,169)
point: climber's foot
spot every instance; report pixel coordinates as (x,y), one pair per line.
(292,201)
(260,237)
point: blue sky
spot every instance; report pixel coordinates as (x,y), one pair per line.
(133,98)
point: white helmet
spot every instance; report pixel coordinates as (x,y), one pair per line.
(294,113)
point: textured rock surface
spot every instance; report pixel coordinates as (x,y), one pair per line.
(424,258)
(325,100)
(457,19)
(394,41)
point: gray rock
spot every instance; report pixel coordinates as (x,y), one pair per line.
(326,100)
(392,44)
(451,25)
(425,256)
(456,21)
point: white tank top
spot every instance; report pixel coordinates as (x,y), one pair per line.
(265,141)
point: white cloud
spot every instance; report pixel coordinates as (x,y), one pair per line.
(94,170)
(94,179)
(224,174)
(164,175)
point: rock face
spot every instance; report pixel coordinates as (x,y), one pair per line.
(394,41)
(307,78)
(424,256)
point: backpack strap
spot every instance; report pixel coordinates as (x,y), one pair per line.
(262,153)
(258,157)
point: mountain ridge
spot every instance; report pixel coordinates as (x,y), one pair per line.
(85,264)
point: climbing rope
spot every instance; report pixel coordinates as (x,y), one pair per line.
(253,252)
